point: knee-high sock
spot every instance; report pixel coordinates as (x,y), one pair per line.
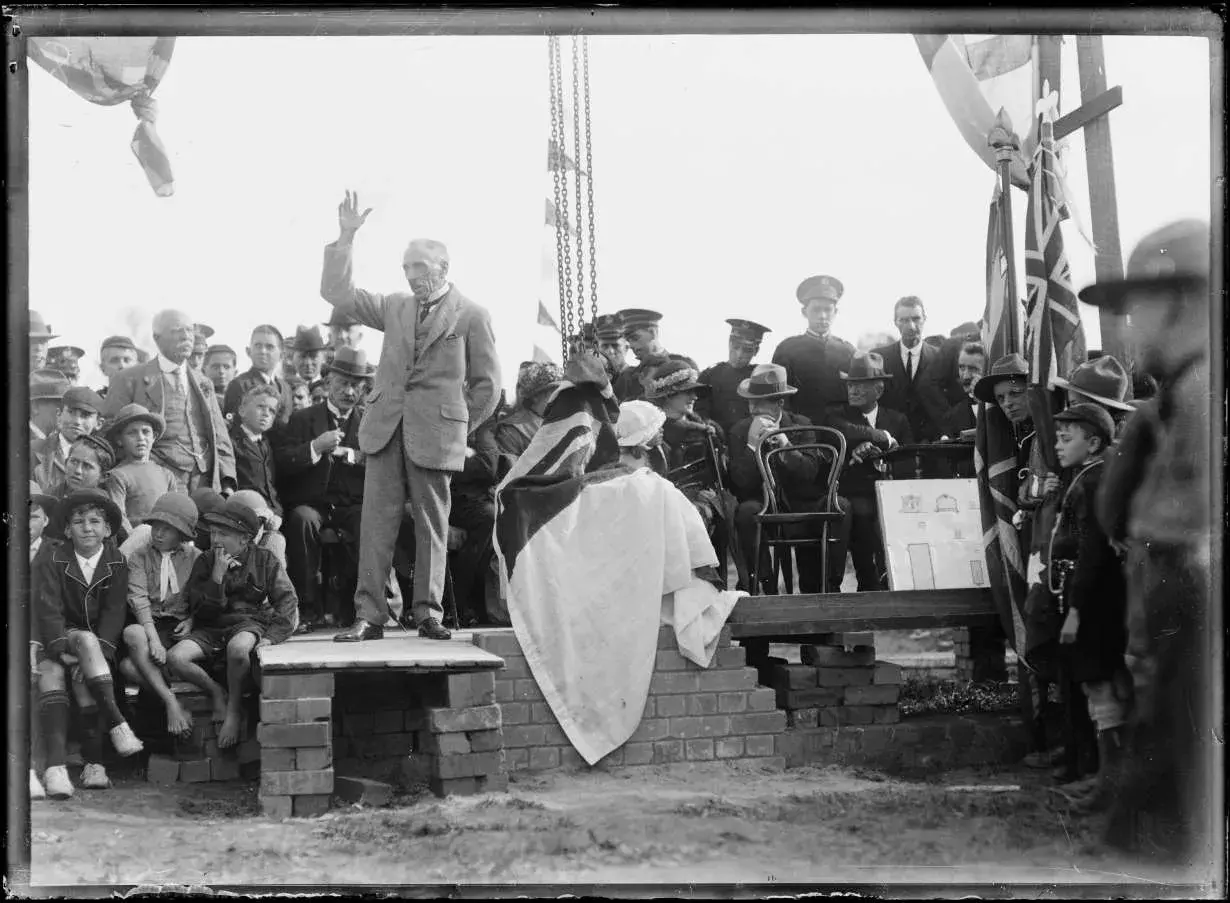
(53,713)
(91,735)
(103,691)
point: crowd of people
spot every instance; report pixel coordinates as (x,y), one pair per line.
(186,513)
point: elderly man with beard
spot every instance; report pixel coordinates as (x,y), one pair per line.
(438,381)
(640,329)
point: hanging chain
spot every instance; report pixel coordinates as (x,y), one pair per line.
(563,241)
(589,189)
(576,159)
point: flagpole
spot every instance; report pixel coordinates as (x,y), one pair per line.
(1007,146)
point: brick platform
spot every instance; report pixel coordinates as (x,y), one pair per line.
(196,758)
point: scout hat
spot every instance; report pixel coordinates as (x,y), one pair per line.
(205,332)
(1174,256)
(133,413)
(42,499)
(93,498)
(633,318)
(747,332)
(47,385)
(351,362)
(766,381)
(672,378)
(235,516)
(819,287)
(118,341)
(82,397)
(39,330)
(1010,366)
(607,328)
(341,320)
(537,377)
(309,338)
(1102,380)
(865,367)
(175,510)
(639,421)
(104,449)
(1092,415)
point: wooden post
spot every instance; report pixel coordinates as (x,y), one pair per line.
(1100,161)
(1007,146)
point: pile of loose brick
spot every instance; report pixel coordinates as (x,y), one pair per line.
(197,758)
(692,714)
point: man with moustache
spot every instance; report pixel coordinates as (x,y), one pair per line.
(309,354)
(723,404)
(640,330)
(962,416)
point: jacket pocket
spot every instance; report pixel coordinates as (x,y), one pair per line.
(457,412)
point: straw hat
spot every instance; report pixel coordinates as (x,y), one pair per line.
(671,378)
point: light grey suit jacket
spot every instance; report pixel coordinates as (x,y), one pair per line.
(440,396)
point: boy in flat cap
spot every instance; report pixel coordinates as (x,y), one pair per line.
(116,353)
(220,365)
(78,416)
(814,360)
(640,329)
(724,405)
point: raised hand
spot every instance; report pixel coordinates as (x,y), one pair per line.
(349,219)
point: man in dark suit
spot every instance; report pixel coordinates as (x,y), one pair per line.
(949,378)
(971,364)
(254,459)
(438,381)
(195,445)
(867,426)
(914,368)
(321,478)
(265,351)
(640,328)
(814,359)
(724,405)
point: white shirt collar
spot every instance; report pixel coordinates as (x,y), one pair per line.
(336,413)
(872,415)
(438,294)
(815,335)
(269,378)
(65,445)
(906,352)
(255,437)
(168,366)
(88,565)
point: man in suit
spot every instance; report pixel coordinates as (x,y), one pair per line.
(195,445)
(438,380)
(814,360)
(914,368)
(321,478)
(949,379)
(971,364)
(724,405)
(861,419)
(265,351)
(640,328)
(309,353)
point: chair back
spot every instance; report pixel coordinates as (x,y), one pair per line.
(826,442)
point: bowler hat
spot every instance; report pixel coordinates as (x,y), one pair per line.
(94,498)
(1092,415)
(1102,380)
(309,338)
(747,331)
(1175,256)
(82,397)
(633,318)
(351,362)
(819,287)
(1011,366)
(48,385)
(607,328)
(341,320)
(865,366)
(39,330)
(766,381)
(133,413)
(175,510)
(234,516)
(671,378)
(118,341)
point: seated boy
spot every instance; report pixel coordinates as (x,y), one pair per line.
(41,506)
(239,598)
(79,599)
(157,575)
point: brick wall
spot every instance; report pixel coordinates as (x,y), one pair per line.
(692,714)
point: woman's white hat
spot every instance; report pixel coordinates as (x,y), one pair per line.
(639,421)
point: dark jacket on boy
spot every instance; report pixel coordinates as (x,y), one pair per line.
(64,600)
(254,465)
(256,590)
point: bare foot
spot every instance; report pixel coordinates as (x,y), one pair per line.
(228,734)
(178,722)
(220,712)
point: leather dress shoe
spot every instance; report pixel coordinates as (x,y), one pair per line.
(434,630)
(304,627)
(359,631)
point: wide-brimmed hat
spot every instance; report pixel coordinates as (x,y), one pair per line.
(341,320)
(309,338)
(42,499)
(639,421)
(118,341)
(202,330)
(351,362)
(82,397)
(537,377)
(747,331)
(234,516)
(39,330)
(1011,366)
(672,378)
(48,385)
(1092,415)
(132,413)
(1175,256)
(865,367)
(1102,380)
(633,318)
(766,381)
(175,510)
(104,449)
(94,498)
(826,288)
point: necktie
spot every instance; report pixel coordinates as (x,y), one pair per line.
(179,381)
(909,366)
(168,584)
(425,310)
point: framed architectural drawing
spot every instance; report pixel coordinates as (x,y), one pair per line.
(932,533)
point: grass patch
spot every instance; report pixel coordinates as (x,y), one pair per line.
(934,696)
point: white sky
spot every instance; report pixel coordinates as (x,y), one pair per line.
(727,169)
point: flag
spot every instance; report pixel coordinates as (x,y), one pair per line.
(110,71)
(1054,336)
(544,317)
(977,76)
(1000,318)
(558,160)
(541,357)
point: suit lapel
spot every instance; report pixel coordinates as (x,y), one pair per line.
(152,380)
(443,319)
(66,557)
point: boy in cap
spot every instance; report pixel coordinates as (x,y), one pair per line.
(640,328)
(724,405)
(79,600)
(77,417)
(116,353)
(239,598)
(137,482)
(66,359)
(157,575)
(220,365)
(814,360)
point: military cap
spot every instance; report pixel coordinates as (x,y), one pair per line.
(819,287)
(747,331)
(607,328)
(633,318)
(67,350)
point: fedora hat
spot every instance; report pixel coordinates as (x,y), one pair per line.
(48,385)
(1092,415)
(341,320)
(175,510)
(350,362)
(309,338)
(1175,256)
(134,413)
(39,330)
(672,378)
(766,381)
(1011,366)
(235,516)
(865,367)
(94,498)
(1102,380)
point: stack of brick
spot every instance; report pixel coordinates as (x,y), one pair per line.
(197,757)
(296,744)
(961,653)
(693,714)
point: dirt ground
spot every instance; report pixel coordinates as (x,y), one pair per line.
(676,824)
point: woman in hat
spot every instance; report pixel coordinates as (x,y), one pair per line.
(137,482)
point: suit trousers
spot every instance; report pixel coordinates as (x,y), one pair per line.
(303,526)
(391,477)
(808,557)
(476,582)
(866,544)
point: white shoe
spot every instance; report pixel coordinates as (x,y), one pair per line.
(36,787)
(124,740)
(94,777)
(59,787)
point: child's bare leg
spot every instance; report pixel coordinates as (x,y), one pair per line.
(238,667)
(149,674)
(97,672)
(184,659)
